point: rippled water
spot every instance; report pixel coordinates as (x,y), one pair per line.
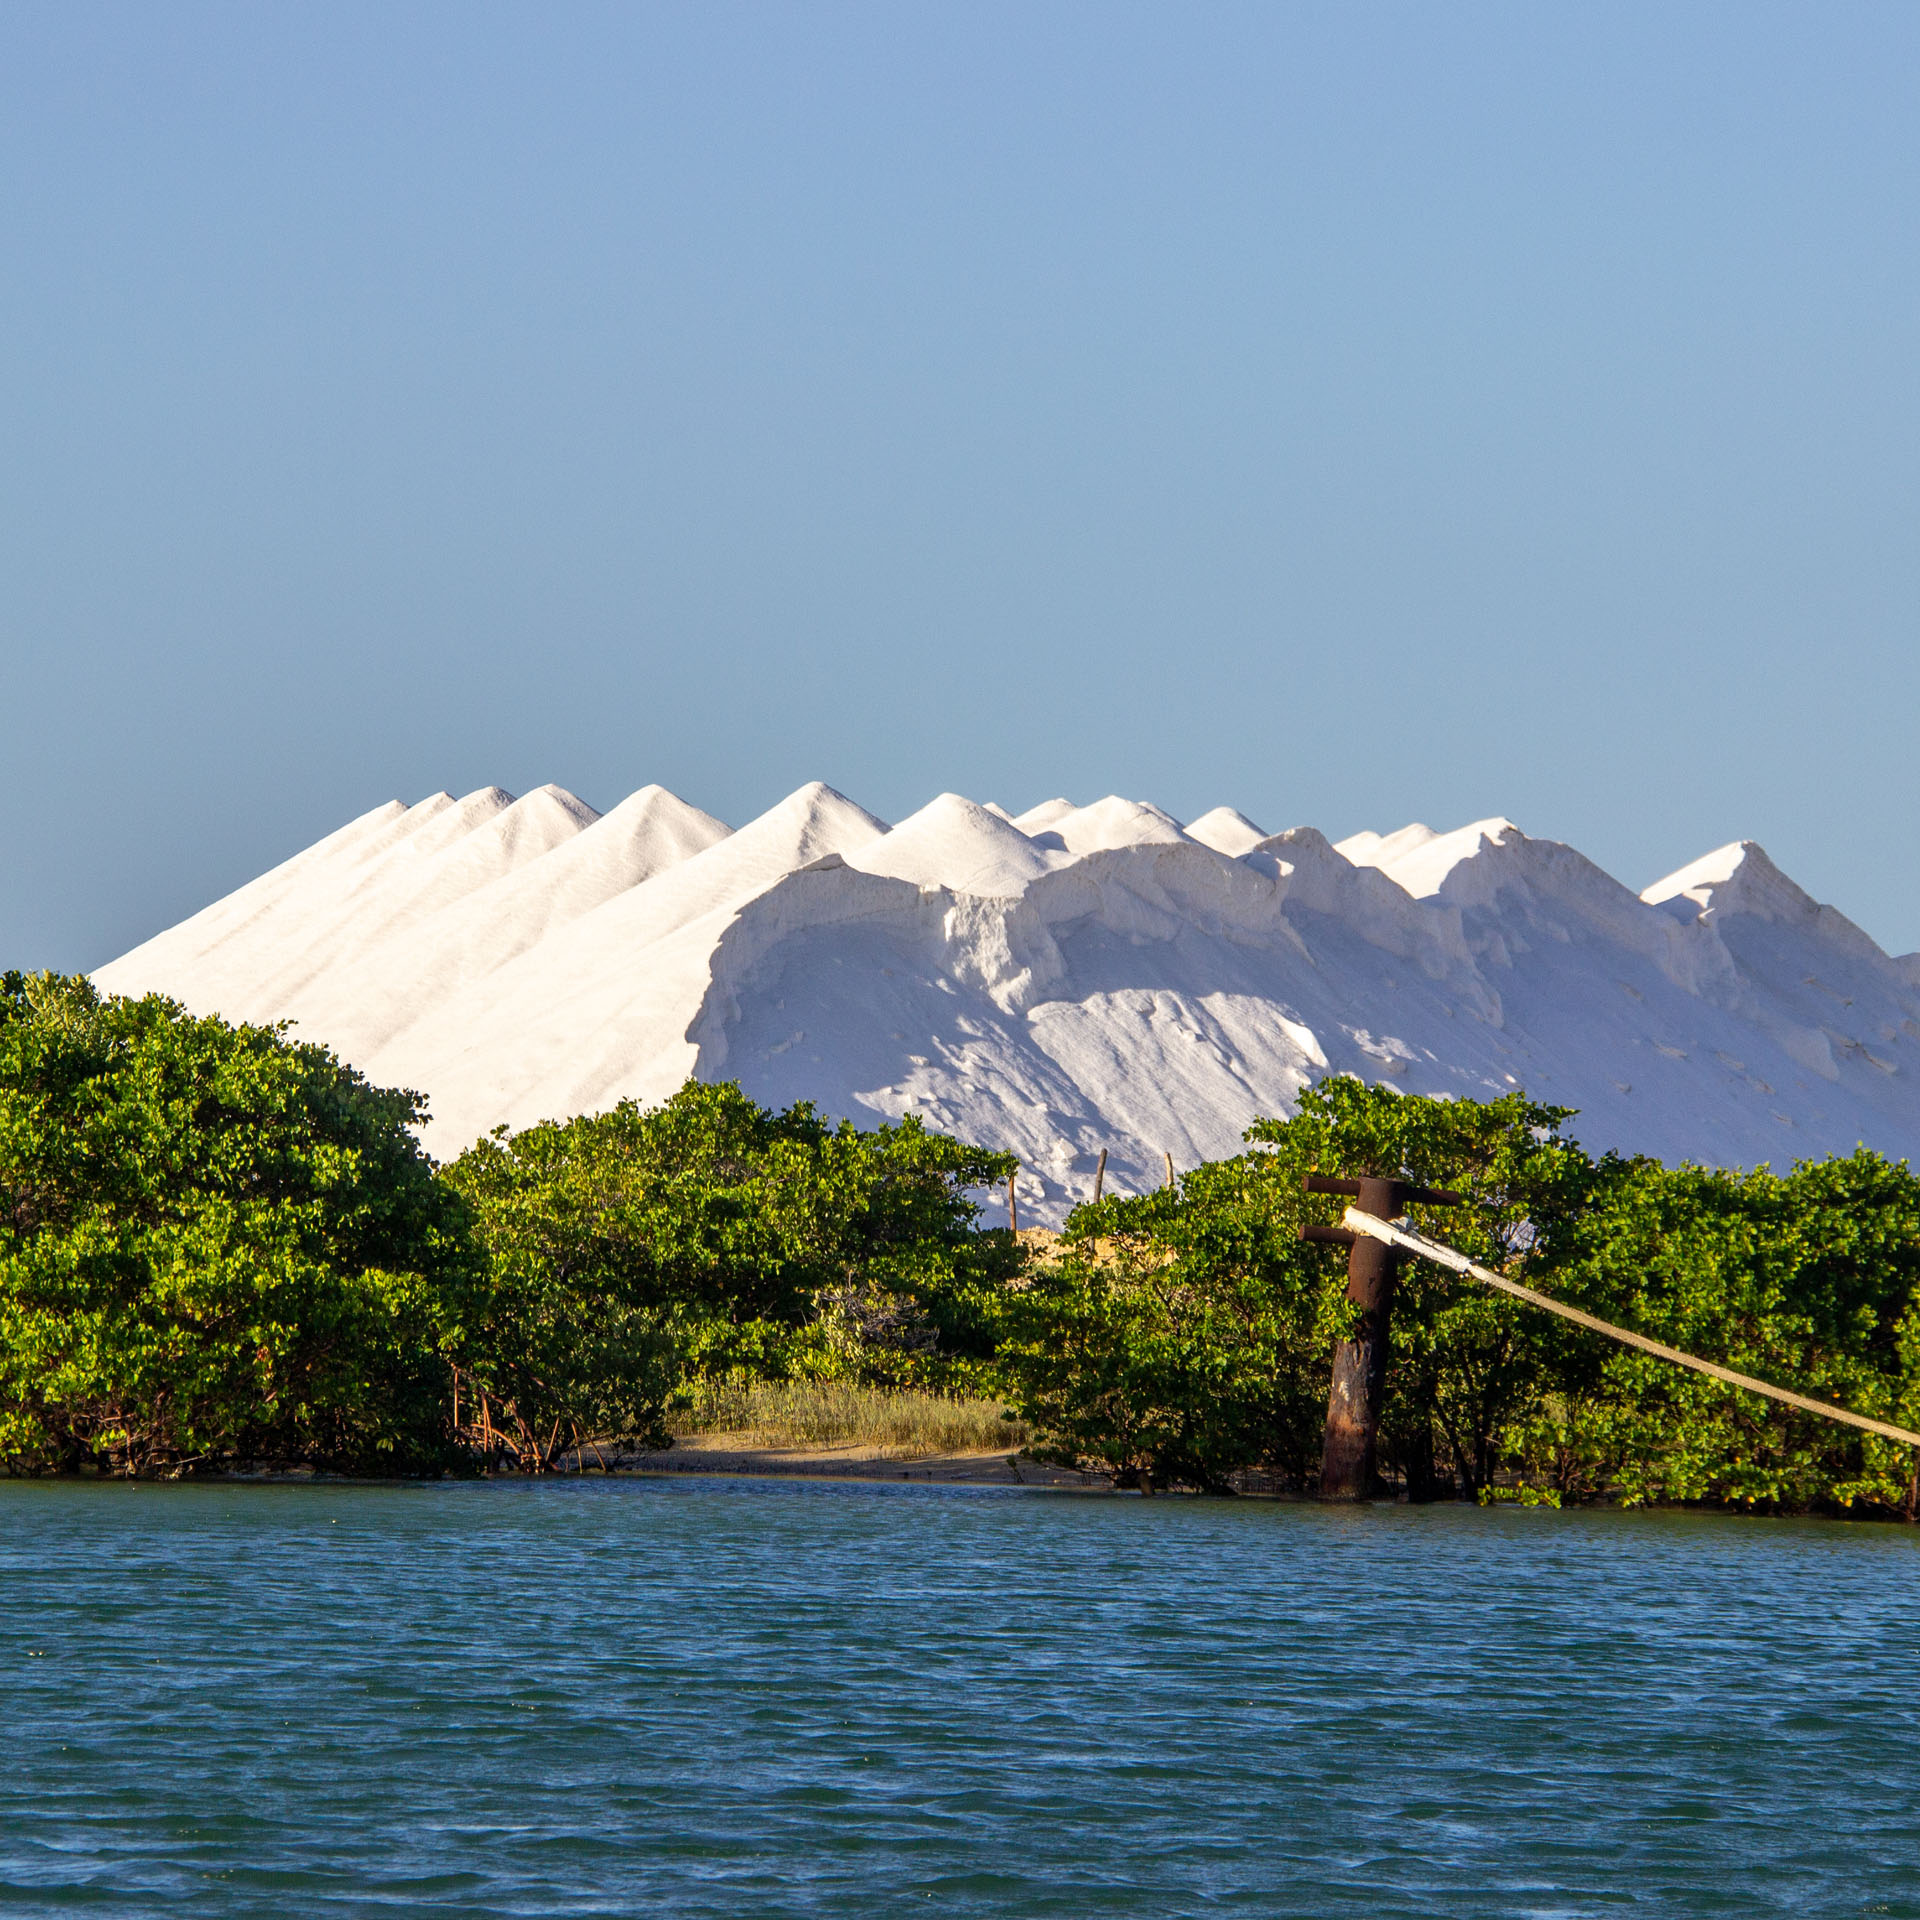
(767,1698)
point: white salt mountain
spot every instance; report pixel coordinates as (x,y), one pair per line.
(1069,979)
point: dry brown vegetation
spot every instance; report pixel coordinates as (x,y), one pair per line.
(899,1424)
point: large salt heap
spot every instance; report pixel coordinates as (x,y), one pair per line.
(1057,982)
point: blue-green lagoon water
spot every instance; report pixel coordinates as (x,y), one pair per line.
(701,1697)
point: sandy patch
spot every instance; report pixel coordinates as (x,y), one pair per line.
(850,1460)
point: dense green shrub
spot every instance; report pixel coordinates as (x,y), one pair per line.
(1186,1336)
(215,1244)
(1805,1279)
(713,1236)
(1466,1362)
(219,1245)
(1177,1338)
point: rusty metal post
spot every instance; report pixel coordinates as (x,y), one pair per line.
(1360,1362)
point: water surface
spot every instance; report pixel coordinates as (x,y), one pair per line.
(774,1698)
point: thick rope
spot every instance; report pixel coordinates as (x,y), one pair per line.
(1432,1250)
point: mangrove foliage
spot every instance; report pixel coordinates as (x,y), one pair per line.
(219,1246)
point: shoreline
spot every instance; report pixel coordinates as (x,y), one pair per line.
(720,1456)
(736,1453)
(715,1454)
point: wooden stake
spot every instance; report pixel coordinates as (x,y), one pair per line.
(1099,1176)
(1013,1206)
(1169,1172)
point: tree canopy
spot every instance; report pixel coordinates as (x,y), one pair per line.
(628,1246)
(218,1244)
(1187,1335)
(215,1243)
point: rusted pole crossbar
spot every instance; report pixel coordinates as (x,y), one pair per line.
(1374,1228)
(1359,1385)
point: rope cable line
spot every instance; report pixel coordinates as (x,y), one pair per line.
(1444,1256)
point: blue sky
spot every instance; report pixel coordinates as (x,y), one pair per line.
(1353,414)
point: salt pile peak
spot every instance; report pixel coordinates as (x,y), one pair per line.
(1226,830)
(1420,860)
(634,972)
(1109,823)
(201,932)
(1060,981)
(370,995)
(1383,849)
(1740,879)
(951,842)
(254,951)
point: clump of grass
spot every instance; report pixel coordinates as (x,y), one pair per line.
(899,1422)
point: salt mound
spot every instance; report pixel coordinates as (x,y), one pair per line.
(1039,819)
(1421,860)
(1112,822)
(505,838)
(179,946)
(1740,879)
(1227,831)
(951,842)
(1381,850)
(1075,979)
(373,996)
(1815,983)
(448,824)
(460,849)
(326,910)
(631,973)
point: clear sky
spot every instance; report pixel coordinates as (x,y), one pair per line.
(1355,414)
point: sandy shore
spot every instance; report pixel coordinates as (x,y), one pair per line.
(738,1453)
